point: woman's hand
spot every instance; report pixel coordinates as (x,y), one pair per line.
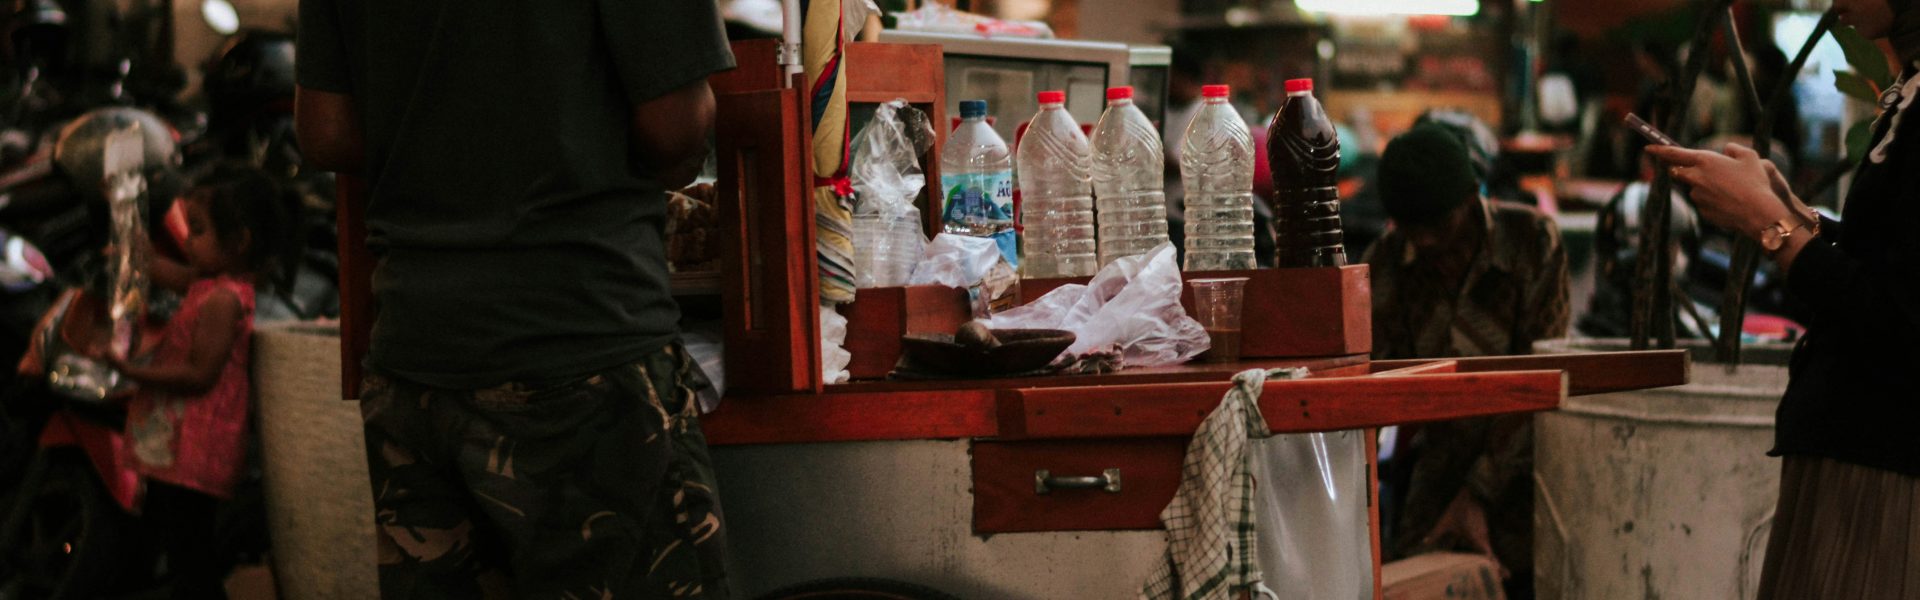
(1738,190)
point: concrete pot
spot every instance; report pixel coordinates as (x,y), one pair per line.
(1663,493)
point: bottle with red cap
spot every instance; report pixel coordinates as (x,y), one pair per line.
(1128,180)
(1054,166)
(1216,166)
(1303,151)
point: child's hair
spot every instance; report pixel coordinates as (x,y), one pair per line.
(241,198)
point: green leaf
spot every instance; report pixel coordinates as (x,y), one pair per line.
(1857,138)
(1865,57)
(1855,86)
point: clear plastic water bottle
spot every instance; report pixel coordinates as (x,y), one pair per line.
(1056,189)
(1128,181)
(976,170)
(886,247)
(1216,167)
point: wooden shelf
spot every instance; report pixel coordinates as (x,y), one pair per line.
(1346,393)
(695,283)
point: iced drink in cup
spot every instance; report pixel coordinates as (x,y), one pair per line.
(1216,305)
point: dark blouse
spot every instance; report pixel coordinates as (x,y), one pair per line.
(1854,395)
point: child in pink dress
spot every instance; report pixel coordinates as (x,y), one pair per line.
(187,424)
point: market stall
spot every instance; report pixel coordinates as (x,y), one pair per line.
(1030,486)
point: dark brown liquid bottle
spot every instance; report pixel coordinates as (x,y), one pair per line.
(1303,152)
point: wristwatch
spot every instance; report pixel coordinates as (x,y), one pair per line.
(1774,237)
(1812,219)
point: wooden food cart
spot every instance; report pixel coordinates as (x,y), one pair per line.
(1034,487)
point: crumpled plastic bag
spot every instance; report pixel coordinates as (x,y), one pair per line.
(972,263)
(886,177)
(1131,306)
(834,356)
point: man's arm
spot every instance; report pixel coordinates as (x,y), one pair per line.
(1546,311)
(670,133)
(329,130)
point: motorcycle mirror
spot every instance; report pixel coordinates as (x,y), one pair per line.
(221,16)
(22,266)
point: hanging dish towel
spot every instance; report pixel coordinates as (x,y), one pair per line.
(1211,538)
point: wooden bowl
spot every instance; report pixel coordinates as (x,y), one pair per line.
(1021,351)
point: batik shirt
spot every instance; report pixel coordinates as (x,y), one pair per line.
(1513,292)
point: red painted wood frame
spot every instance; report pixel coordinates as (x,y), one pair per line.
(356,280)
(770,284)
(877,321)
(770,276)
(917,73)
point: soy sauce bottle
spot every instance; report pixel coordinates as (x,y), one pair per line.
(1303,153)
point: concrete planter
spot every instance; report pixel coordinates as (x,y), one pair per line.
(1664,493)
(319,505)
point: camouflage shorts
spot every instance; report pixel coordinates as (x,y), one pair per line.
(600,487)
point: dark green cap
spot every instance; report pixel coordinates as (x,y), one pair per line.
(1425,174)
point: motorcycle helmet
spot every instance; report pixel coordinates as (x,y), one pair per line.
(36,34)
(1616,241)
(254,72)
(78,149)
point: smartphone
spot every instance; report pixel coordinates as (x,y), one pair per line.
(1647,130)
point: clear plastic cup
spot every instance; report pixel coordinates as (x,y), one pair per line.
(1216,305)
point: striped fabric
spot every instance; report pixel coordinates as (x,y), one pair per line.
(1212,549)
(1843,532)
(823,42)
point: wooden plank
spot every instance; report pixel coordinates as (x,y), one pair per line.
(769,283)
(1588,373)
(878,317)
(1423,368)
(356,280)
(1187,373)
(810,418)
(1005,500)
(878,72)
(758,69)
(1296,406)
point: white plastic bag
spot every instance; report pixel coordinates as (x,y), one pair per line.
(1132,305)
(886,177)
(834,356)
(955,261)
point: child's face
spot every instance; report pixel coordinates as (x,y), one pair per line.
(204,248)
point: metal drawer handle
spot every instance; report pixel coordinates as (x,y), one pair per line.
(1044,481)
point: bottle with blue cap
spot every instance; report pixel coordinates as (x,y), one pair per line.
(976,172)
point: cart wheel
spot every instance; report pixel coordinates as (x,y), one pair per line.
(67,545)
(857,588)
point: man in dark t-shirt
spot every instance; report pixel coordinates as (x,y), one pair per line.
(529,411)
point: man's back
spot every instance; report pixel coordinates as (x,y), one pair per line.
(518,239)
(1514,292)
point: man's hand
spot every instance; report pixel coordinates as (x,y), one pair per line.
(1464,524)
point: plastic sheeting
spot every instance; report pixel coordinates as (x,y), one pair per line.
(1311,506)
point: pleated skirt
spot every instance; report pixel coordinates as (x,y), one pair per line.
(1843,532)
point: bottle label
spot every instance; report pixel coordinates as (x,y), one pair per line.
(979,198)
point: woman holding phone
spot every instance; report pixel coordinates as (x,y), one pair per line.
(1848,521)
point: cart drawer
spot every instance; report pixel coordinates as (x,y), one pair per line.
(1080,494)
